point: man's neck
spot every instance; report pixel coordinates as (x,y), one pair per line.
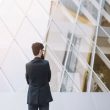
(38,56)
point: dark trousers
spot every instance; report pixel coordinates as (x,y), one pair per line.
(40,107)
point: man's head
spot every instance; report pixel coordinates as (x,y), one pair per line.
(37,49)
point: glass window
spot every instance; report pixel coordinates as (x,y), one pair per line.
(67,84)
(102,70)
(88,6)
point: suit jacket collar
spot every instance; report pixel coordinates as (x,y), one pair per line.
(36,59)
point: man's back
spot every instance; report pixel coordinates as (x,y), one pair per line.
(38,75)
(38,72)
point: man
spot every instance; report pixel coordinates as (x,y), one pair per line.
(38,75)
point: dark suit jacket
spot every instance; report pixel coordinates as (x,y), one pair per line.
(38,75)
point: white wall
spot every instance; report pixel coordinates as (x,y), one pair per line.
(22,22)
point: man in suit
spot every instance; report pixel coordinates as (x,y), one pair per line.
(38,75)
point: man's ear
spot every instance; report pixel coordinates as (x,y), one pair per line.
(40,51)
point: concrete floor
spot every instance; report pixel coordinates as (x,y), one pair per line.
(62,101)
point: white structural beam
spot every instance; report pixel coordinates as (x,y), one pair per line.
(65,11)
(88,15)
(104,32)
(103,11)
(103,57)
(108,1)
(94,2)
(106,15)
(100,83)
(94,50)
(70,45)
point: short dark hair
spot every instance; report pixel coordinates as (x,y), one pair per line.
(36,47)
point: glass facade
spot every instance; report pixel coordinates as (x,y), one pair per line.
(78,37)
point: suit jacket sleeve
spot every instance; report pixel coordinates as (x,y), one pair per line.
(49,73)
(26,76)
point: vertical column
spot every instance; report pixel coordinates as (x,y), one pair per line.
(94,49)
